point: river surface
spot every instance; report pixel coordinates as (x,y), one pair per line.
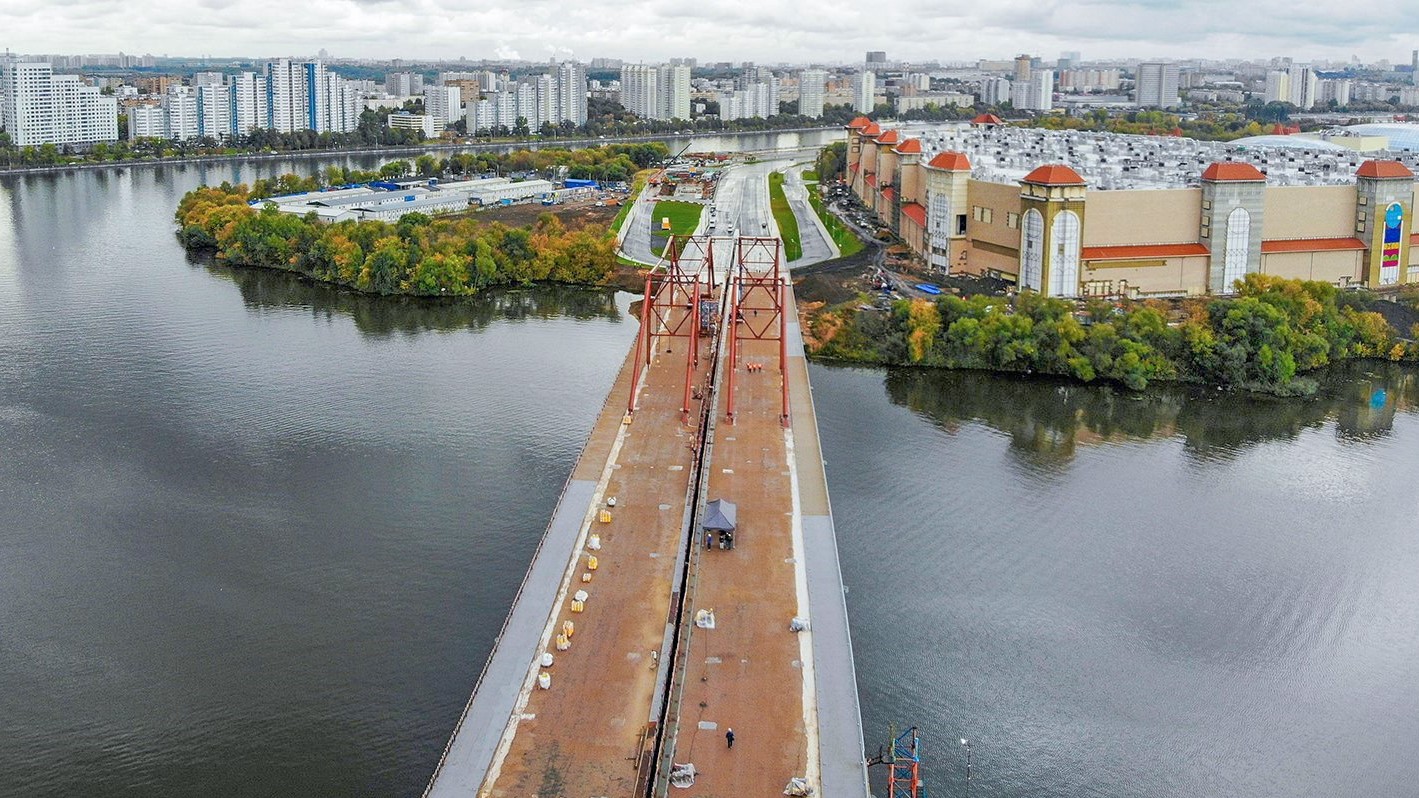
(1174,594)
(257,535)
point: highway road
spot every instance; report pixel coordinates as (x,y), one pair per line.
(741,208)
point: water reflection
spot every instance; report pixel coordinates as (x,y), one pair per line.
(1047,421)
(382,316)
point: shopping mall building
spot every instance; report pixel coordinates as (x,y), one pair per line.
(1159,217)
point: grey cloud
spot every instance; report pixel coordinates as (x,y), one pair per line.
(766,31)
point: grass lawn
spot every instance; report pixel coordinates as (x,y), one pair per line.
(783,215)
(684,218)
(810,177)
(847,241)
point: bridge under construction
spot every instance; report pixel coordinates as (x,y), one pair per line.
(639,638)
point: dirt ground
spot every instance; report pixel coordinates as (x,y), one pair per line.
(574,215)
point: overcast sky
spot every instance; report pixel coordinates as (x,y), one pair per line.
(766,31)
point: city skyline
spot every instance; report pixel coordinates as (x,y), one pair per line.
(837,32)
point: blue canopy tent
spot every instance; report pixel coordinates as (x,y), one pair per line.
(719,518)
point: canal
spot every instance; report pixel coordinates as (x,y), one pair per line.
(257,536)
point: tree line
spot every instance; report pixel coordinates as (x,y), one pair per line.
(1263,339)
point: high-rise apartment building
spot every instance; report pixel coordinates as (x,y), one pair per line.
(876,57)
(673,99)
(1024,65)
(404,84)
(248,99)
(552,98)
(1156,85)
(1303,87)
(1333,90)
(1278,86)
(40,107)
(214,109)
(994,91)
(443,103)
(1036,93)
(289,96)
(640,89)
(865,92)
(571,86)
(656,91)
(812,87)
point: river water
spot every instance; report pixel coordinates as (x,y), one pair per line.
(257,536)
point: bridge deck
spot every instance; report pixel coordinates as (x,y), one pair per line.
(791,698)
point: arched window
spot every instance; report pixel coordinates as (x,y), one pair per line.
(1064,261)
(1032,256)
(1238,243)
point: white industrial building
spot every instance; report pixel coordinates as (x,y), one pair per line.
(366,202)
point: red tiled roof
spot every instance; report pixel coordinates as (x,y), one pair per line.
(1133,251)
(871,131)
(871,179)
(1054,174)
(889,194)
(987,119)
(1311,245)
(1383,169)
(909,147)
(854,167)
(1414,239)
(951,162)
(1226,170)
(915,212)
(889,137)
(859,123)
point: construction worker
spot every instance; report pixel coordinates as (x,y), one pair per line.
(729,737)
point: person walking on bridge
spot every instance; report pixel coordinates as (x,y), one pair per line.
(729,737)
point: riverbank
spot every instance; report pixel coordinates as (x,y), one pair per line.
(1265,339)
(483,145)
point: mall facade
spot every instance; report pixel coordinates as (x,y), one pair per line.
(1050,232)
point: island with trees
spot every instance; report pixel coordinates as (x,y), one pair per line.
(419,255)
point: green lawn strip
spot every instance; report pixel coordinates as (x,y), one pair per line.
(847,241)
(637,183)
(810,177)
(684,218)
(783,214)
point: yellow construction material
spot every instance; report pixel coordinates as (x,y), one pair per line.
(605,517)
(586,577)
(568,629)
(578,606)
(563,643)
(591,563)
